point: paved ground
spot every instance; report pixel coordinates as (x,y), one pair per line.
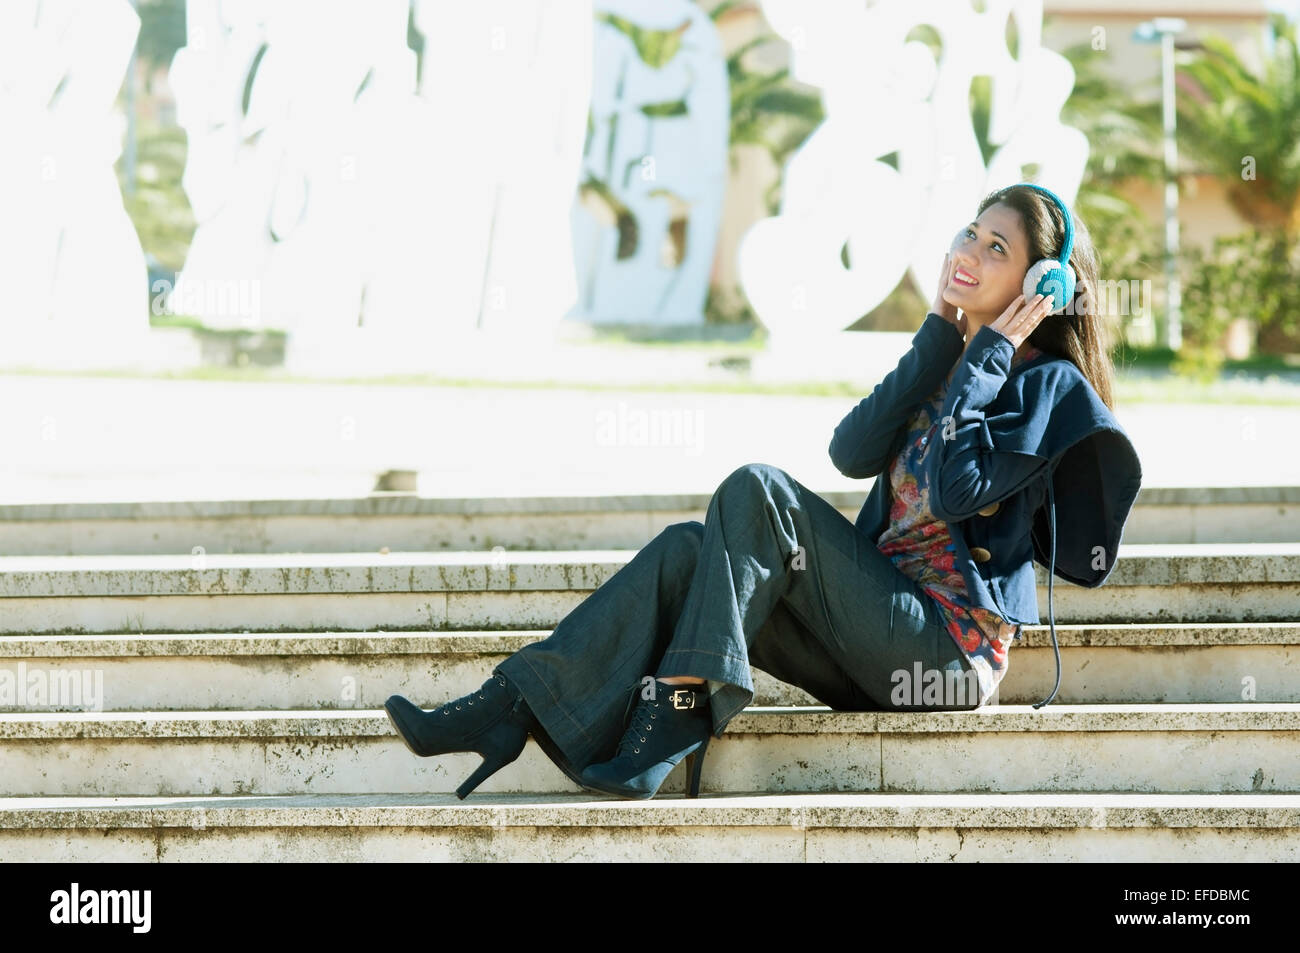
(87,438)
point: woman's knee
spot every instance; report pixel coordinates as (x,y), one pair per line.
(684,538)
(676,551)
(753,473)
(749,484)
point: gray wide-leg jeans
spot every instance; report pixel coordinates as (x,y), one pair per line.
(775,577)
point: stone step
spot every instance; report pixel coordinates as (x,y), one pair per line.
(403,521)
(898,828)
(1236,582)
(1244,748)
(1136,663)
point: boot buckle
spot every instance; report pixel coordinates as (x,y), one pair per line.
(680,694)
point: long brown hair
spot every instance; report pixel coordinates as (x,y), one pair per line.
(1078,333)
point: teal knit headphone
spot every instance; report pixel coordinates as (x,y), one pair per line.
(1052,276)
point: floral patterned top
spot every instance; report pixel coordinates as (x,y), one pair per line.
(921,547)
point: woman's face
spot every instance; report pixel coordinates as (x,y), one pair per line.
(992,250)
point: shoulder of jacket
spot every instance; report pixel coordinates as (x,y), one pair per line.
(1053,371)
(1056,381)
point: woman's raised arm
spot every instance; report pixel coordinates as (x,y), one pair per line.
(871,434)
(866,438)
(964,469)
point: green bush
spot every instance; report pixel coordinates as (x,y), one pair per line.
(1250,275)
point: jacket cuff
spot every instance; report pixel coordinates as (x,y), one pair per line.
(984,368)
(936,329)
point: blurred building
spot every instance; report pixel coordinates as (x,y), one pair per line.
(1203,211)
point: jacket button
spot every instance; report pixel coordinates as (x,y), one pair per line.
(989,510)
(980,554)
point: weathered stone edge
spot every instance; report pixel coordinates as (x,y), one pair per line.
(493,643)
(406,504)
(369,723)
(801,811)
(576,571)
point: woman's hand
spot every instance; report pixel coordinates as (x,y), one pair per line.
(1021,317)
(942,308)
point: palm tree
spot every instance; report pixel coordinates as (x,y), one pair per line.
(1124,147)
(1230,113)
(1120,132)
(1244,127)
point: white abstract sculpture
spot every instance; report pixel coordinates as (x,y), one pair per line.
(290,109)
(882,96)
(380,223)
(505,84)
(661,168)
(73,282)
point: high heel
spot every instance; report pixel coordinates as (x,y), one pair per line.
(494,721)
(694,767)
(673,724)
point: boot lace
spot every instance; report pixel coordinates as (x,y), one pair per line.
(467,701)
(642,723)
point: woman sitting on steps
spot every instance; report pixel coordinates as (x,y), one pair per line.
(995,429)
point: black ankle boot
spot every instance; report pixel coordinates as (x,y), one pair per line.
(493,721)
(676,723)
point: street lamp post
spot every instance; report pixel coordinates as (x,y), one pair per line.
(1164,29)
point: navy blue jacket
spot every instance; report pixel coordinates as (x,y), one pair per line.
(1029,464)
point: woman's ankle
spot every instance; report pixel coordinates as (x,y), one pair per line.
(681,680)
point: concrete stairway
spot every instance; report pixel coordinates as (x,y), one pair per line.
(223,703)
